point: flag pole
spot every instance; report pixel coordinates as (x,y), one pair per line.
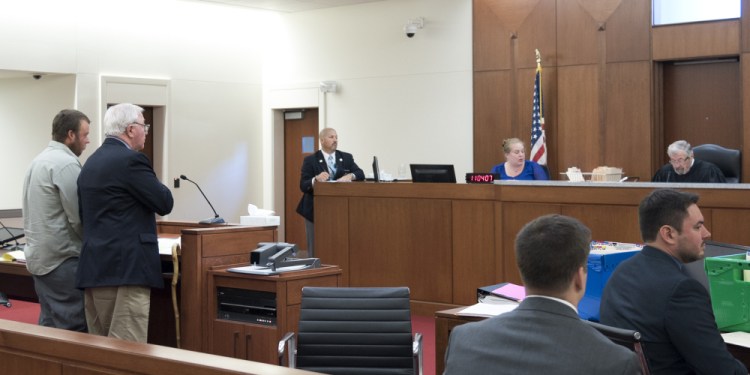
(539,69)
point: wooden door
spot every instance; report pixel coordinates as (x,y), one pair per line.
(300,140)
(701,104)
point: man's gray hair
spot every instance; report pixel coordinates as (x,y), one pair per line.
(118,117)
(680,146)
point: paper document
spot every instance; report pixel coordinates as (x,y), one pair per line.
(259,270)
(165,245)
(487,309)
(737,338)
(14,256)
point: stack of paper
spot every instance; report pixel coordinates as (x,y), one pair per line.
(14,256)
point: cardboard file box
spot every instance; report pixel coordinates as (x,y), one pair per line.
(601,264)
(730,294)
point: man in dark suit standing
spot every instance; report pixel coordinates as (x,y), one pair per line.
(652,293)
(119,195)
(326,164)
(544,334)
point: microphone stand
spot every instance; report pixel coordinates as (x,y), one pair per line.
(17,246)
(214,220)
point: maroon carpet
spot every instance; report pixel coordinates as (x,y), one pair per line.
(426,326)
(21,311)
(28,312)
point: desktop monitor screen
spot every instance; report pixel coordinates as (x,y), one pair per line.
(433,173)
(375,169)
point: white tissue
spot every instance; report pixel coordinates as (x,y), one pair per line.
(253,210)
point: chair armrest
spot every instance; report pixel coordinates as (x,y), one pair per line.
(290,341)
(416,348)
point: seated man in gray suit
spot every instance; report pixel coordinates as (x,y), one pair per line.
(544,334)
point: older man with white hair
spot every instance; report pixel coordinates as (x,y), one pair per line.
(684,167)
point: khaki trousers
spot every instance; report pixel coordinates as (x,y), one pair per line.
(119,311)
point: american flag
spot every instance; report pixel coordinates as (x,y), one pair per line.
(538,138)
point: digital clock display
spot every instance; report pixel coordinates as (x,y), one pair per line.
(481,178)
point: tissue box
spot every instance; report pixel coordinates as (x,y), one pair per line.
(260,221)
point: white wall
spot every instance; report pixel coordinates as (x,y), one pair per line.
(210,54)
(26,126)
(404,100)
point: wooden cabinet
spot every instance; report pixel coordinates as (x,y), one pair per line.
(203,247)
(258,342)
(244,341)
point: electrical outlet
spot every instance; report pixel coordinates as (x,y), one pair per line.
(176,183)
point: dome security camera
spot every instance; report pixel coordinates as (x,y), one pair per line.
(411,27)
(410,30)
(36,76)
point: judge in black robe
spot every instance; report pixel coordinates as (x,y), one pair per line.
(700,171)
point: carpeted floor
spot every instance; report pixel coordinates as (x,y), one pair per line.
(426,326)
(21,311)
(28,312)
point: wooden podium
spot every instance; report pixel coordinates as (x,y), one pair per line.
(258,342)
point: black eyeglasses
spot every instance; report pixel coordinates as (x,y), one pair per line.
(145,126)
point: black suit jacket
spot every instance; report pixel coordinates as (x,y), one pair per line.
(119,195)
(312,166)
(652,294)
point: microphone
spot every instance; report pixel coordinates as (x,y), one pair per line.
(17,245)
(214,220)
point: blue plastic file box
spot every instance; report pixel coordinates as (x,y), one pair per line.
(601,264)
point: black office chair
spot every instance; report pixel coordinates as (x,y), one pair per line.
(625,337)
(354,331)
(728,160)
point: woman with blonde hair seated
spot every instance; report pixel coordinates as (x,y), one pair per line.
(516,167)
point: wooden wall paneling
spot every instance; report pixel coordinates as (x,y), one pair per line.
(577,35)
(578,130)
(745,112)
(608,222)
(473,249)
(492,117)
(332,238)
(499,244)
(702,104)
(728,225)
(627,129)
(745,26)
(414,258)
(628,32)
(14,363)
(493,27)
(537,31)
(515,216)
(696,40)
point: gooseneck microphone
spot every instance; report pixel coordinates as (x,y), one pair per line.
(214,220)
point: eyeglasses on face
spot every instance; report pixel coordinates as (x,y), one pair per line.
(146,127)
(679,161)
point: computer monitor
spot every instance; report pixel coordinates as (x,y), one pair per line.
(8,234)
(432,173)
(375,169)
(697,269)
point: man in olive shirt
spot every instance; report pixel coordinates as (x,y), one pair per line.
(52,224)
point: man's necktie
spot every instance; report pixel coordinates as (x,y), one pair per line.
(331,166)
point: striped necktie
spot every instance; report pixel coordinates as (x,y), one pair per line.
(331,166)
